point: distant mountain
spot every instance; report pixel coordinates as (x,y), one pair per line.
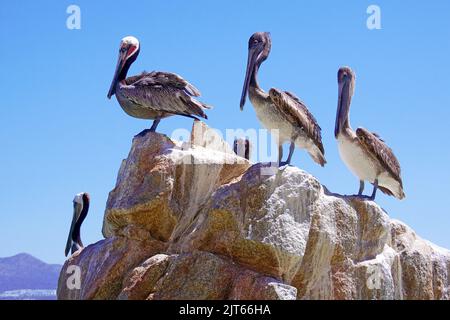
(25,277)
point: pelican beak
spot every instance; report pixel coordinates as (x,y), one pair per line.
(252,54)
(343,105)
(120,64)
(76,214)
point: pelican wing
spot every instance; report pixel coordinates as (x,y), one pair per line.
(379,150)
(165,79)
(166,92)
(297,113)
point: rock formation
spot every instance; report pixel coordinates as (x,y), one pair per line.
(194,221)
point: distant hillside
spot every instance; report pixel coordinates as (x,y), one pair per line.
(26,274)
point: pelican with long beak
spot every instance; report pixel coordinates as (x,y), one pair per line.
(80,211)
(278,110)
(155,95)
(365,153)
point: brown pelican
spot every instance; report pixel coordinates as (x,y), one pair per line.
(153,95)
(242,148)
(280,110)
(80,211)
(365,153)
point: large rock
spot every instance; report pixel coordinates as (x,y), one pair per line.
(162,183)
(103,266)
(194,221)
(199,275)
(260,221)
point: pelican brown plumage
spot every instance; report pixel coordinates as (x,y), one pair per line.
(155,95)
(365,153)
(80,211)
(280,110)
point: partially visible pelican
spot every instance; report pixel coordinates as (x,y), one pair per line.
(153,95)
(280,110)
(365,153)
(80,211)
(242,148)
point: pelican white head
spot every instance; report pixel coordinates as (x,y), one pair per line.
(78,198)
(128,52)
(129,40)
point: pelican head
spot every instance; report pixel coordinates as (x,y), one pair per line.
(242,147)
(259,46)
(128,53)
(346,74)
(346,85)
(80,210)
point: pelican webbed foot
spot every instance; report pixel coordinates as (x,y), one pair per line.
(289,158)
(361,189)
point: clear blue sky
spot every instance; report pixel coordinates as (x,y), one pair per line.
(60,135)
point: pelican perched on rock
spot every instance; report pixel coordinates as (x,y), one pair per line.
(242,148)
(365,153)
(280,110)
(153,95)
(80,211)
